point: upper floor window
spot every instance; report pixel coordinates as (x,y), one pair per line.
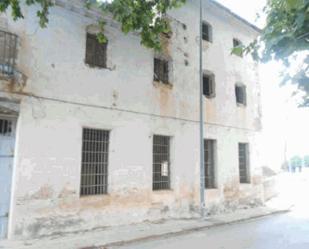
(237,44)
(241,94)
(206,32)
(8,52)
(96,52)
(209,85)
(161,70)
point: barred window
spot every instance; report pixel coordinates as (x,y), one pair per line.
(96,52)
(8,53)
(94,175)
(241,94)
(206,32)
(243,154)
(161,70)
(209,85)
(161,162)
(5,127)
(209,157)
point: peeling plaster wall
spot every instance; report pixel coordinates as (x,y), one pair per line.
(125,100)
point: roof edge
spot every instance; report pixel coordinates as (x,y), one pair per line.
(236,15)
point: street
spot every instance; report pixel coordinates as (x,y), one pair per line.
(285,231)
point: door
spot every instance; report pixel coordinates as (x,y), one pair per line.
(7,145)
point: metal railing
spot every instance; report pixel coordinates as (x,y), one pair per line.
(8,53)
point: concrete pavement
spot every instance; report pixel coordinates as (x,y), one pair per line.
(284,231)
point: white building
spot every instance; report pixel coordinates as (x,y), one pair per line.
(91,137)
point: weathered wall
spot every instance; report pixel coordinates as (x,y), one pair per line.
(125,100)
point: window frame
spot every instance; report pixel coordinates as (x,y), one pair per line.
(237,43)
(104,164)
(209,36)
(95,61)
(246,177)
(163,184)
(164,75)
(210,180)
(212,86)
(243,90)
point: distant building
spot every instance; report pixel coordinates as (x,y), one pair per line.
(96,135)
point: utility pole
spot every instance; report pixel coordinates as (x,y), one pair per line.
(201,135)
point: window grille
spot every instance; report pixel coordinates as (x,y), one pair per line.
(94,175)
(5,127)
(209,85)
(243,150)
(161,162)
(96,52)
(241,95)
(161,70)
(206,32)
(209,157)
(8,48)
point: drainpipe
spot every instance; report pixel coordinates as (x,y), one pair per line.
(201,135)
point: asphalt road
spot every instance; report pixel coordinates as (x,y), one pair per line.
(285,231)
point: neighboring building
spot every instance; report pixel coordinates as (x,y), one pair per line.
(97,135)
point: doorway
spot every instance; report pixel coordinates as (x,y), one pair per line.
(7,148)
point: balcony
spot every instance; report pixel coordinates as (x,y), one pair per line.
(8,53)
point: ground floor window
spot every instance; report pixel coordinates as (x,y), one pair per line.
(209,162)
(94,172)
(243,156)
(161,162)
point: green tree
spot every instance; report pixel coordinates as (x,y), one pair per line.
(306,161)
(285,36)
(296,161)
(146,17)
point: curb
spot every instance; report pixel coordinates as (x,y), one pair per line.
(183,231)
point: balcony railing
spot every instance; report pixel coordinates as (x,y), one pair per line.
(8,53)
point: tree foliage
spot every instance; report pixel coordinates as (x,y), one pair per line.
(306,161)
(146,17)
(284,38)
(296,162)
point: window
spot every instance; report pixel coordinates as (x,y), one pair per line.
(5,127)
(8,53)
(209,163)
(161,162)
(95,52)
(236,43)
(94,172)
(241,95)
(206,32)
(209,85)
(161,70)
(243,155)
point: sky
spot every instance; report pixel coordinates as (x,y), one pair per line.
(246,9)
(283,122)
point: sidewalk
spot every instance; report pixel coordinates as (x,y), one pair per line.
(102,238)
